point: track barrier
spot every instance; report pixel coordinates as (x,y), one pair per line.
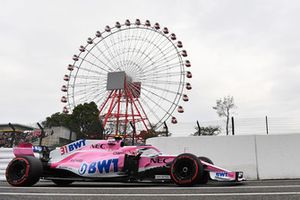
(6,155)
(258,156)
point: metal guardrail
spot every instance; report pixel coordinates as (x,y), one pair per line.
(6,155)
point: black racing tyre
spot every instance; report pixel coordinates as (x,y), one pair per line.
(206,176)
(186,170)
(24,171)
(62,182)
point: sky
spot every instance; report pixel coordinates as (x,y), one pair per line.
(248,49)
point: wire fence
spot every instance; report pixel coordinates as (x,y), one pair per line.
(242,126)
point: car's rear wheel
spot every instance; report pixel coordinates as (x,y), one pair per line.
(186,170)
(62,182)
(24,171)
(206,176)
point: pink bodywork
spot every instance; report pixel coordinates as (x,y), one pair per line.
(24,149)
(86,160)
(105,158)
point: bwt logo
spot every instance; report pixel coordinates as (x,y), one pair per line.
(71,147)
(99,166)
(222,174)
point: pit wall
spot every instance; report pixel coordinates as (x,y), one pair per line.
(258,156)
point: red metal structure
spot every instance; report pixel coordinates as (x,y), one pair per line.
(135,72)
(124,107)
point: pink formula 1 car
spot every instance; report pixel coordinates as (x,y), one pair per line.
(110,160)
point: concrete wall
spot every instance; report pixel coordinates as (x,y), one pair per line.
(6,154)
(278,156)
(260,157)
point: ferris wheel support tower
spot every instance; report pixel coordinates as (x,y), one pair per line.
(123,92)
(135,72)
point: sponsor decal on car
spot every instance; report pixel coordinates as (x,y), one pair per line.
(76,160)
(118,152)
(162,177)
(71,147)
(65,167)
(101,166)
(97,146)
(159,160)
(221,174)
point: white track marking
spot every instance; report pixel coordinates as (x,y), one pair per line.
(151,195)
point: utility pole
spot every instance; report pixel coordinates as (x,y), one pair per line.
(267,125)
(232,125)
(199,128)
(166,128)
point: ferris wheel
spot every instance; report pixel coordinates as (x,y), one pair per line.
(135,72)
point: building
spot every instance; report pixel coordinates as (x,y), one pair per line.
(56,136)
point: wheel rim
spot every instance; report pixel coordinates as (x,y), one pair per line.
(185,169)
(17,171)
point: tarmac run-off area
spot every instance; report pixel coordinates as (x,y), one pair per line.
(270,189)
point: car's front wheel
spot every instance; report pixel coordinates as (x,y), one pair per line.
(186,170)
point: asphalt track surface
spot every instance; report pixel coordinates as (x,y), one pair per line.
(273,189)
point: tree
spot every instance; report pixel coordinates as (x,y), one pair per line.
(152,132)
(83,121)
(56,119)
(148,134)
(224,109)
(207,131)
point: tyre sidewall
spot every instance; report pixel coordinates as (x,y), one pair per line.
(198,170)
(33,170)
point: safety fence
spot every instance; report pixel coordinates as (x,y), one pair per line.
(265,125)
